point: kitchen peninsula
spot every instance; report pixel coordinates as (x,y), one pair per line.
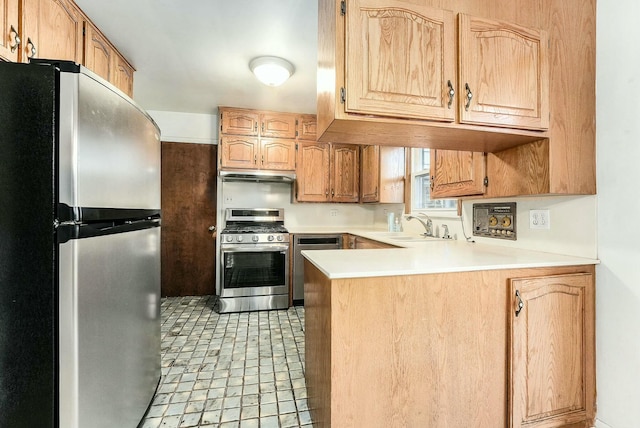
(449,334)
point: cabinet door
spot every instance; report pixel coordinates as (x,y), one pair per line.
(9,30)
(400,59)
(238,152)
(504,74)
(52,29)
(306,127)
(370,174)
(345,168)
(278,125)
(239,122)
(456,173)
(552,351)
(277,154)
(98,53)
(122,74)
(312,172)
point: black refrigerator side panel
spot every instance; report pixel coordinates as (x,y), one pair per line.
(28,301)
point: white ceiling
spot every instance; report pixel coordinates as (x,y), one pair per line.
(193,55)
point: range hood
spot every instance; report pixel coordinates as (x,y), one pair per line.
(257,176)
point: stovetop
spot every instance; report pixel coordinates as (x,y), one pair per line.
(254,228)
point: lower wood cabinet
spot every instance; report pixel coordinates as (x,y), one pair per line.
(447,350)
(354,242)
(552,351)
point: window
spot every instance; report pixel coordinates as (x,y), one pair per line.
(421,184)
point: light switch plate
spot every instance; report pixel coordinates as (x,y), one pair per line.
(539,219)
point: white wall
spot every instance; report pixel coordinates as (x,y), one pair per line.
(179,127)
(618,156)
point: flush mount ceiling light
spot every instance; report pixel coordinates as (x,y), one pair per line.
(271,70)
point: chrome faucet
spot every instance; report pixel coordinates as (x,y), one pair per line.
(428,225)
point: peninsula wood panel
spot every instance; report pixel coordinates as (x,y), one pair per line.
(437,341)
(9,30)
(188,209)
(456,173)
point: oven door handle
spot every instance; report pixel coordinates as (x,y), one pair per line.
(255,248)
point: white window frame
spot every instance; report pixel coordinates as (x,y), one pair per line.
(420,168)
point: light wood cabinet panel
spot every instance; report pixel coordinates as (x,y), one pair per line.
(51,29)
(239,122)
(239,152)
(504,74)
(455,173)
(9,30)
(278,125)
(278,154)
(382,174)
(98,53)
(552,351)
(399,58)
(345,168)
(306,127)
(123,74)
(312,172)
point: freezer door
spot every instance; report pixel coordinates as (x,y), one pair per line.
(109,147)
(109,328)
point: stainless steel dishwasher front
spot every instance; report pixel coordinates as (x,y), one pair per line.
(309,242)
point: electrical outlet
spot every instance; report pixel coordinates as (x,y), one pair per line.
(539,219)
(228,199)
(333,213)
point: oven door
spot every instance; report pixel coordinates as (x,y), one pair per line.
(254,270)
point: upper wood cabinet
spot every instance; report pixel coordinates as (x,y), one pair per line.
(51,29)
(306,126)
(9,30)
(504,74)
(552,351)
(253,153)
(253,139)
(312,172)
(382,174)
(399,58)
(327,172)
(122,74)
(98,53)
(537,129)
(456,173)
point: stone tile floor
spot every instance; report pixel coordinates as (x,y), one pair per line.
(236,370)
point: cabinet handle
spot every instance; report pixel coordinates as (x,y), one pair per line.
(332,193)
(255,158)
(16,39)
(262,159)
(431,183)
(33,49)
(452,92)
(469,96)
(263,127)
(255,127)
(520,303)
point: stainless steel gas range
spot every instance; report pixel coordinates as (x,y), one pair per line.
(254,261)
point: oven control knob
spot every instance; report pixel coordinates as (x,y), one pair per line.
(279,237)
(270,238)
(255,238)
(239,238)
(229,238)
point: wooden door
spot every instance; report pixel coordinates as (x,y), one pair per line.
(98,53)
(312,172)
(504,74)
(278,154)
(52,29)
(400,59)
(278,125)
(239,152)
(188,210)
(345,172)
(238,121)
(9,27)
(552,350)
(306,125)
(457,173)
(370,174)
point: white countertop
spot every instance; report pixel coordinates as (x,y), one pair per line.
(430,256)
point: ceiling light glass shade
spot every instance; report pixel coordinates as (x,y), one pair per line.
(271,70)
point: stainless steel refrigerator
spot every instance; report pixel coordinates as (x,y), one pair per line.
(79,250)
